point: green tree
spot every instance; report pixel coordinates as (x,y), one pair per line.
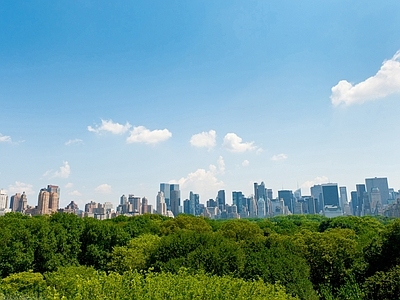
(135,255)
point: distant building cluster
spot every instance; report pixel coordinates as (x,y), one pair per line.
(374,197)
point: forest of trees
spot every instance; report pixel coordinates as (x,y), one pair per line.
(61,256)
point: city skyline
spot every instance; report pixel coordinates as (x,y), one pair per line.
(105,99)
(342,194)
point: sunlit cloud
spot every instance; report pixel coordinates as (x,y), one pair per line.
(204,139)
(141,134)
(384,83)
(110,127)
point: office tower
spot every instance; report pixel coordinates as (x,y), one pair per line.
(54,195)
(212,203)
(252,207)
(14,202)
(53,189)
(161,205)
(43,202)
(3,200)
(330,194)
(360,198)
(186,206)
(297,194)
(192,204)
(354,203)
(316,193)
(381,184)
(221,200)
(287,197)
(175,199)
(145,206)
(123,200)
(270,194)
(343,197)
(311,209)
(261,211)
(238,200)
(375,201)
(198,207)
(260,191)
(165,188)
(135,204)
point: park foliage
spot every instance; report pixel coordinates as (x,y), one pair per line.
(61,256)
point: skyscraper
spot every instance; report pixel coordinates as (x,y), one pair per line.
(360,198)
(316,193)
(343,196)
(161,205)
(261,211)
(354,203)
(221,200)
(238,199)
(3,200)
(175,198)
(14,202)
(260,191)
(381,184)
(165,188)
(330,194)
(43,202)
(287,197)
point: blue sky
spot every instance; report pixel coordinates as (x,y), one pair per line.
(109,98)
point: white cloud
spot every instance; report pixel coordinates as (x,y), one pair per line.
(245,163)
(384,83)
(234,143)
(5,138)
(201,181)
(74,141)
(204,139)
(75,193)
(279,157)
(141,134)
(20,187)
(69,185)
(221,165)
(111,127)
(64,171)
(103,189)
(317,180)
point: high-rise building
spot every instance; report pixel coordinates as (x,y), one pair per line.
(261,211)
(354,203)
(287,196)
(43,202)
(375,201)
(161,205)
(316,193)
(175,198)
(135,207)
(221,200)
(381,184)
(3,200)
(238,199)
(54,198)
(270,194)
(360,198)
(165,188)
(343,197)
(330,194)
(123,200)
(14,202)
(145,206)
(260,191)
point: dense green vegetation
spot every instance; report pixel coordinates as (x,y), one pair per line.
(154,257)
